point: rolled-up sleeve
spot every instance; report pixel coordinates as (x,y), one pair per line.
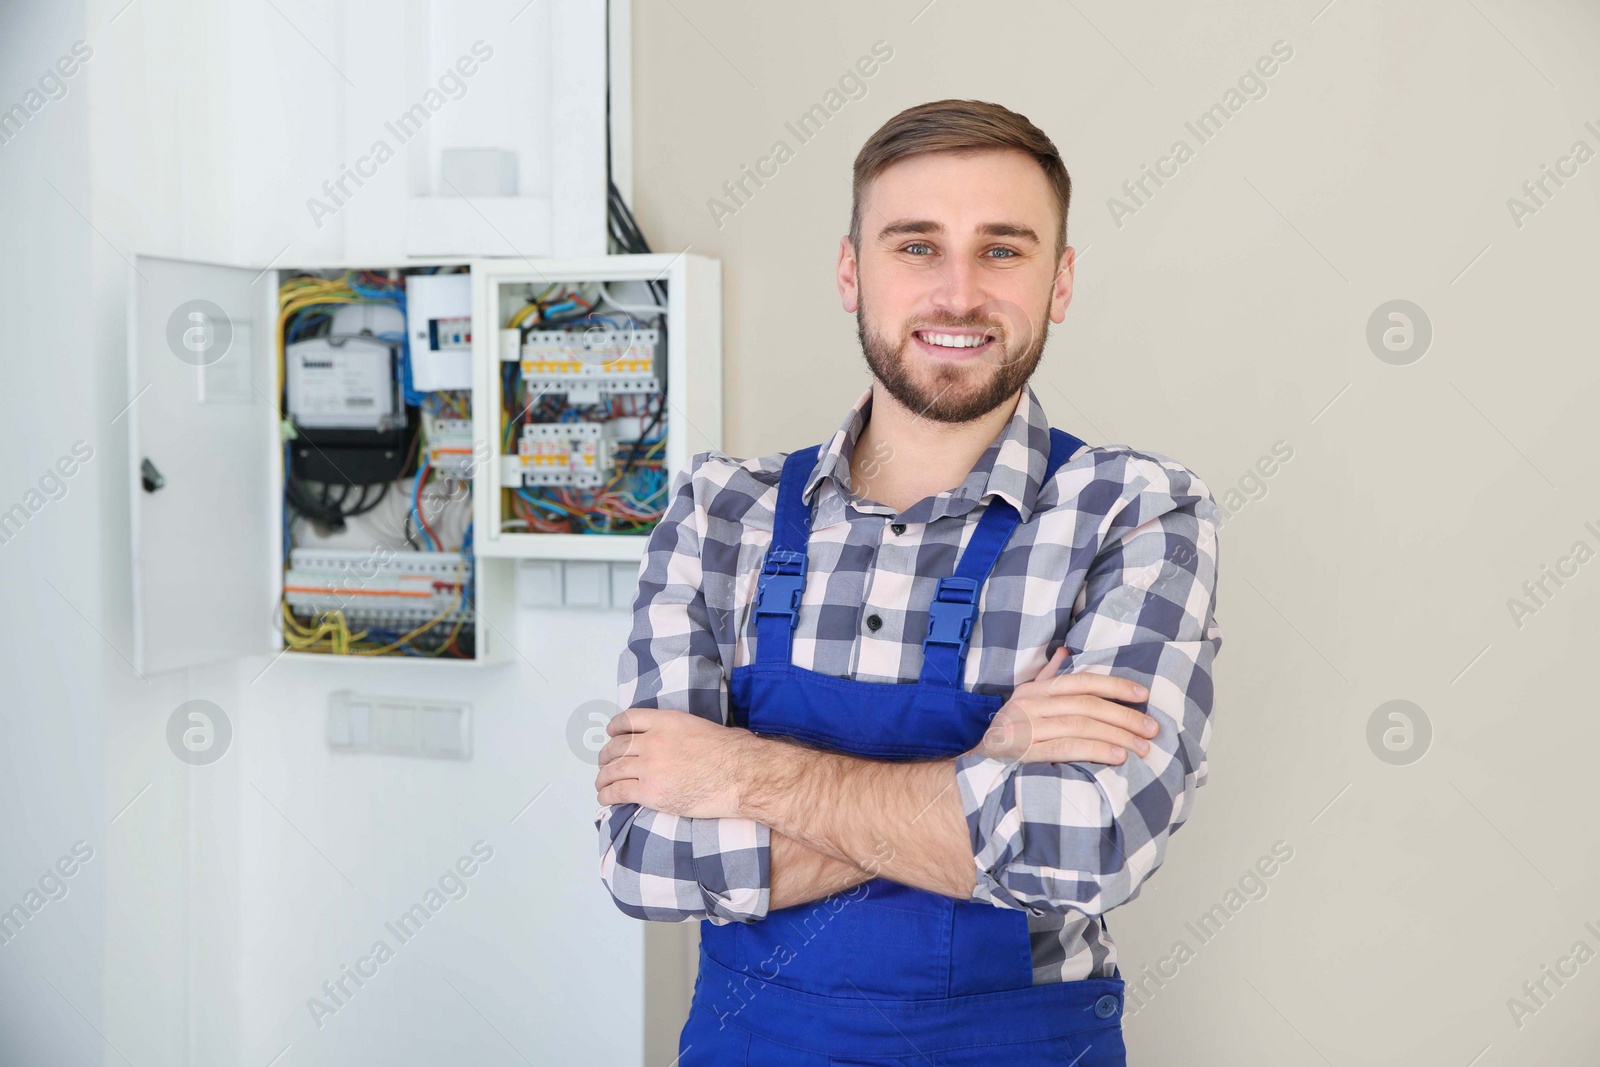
(1084,836)
(659,866)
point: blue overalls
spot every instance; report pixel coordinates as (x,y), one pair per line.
(883,973)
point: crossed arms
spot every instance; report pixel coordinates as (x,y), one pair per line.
(1058,809)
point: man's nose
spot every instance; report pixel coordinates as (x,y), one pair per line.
(959,290)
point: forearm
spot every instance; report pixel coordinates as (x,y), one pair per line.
(903,821)
(801,874)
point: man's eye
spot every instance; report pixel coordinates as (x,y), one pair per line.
(1008,252)
(915,245)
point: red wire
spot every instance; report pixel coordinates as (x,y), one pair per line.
(422,476)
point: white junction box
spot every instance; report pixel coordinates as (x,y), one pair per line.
(439,327)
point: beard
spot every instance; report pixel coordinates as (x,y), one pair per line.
(954,392)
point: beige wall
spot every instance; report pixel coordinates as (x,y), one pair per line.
(1227,314)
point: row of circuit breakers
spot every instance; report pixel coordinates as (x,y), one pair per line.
(584,365)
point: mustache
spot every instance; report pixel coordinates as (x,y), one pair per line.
(994,324)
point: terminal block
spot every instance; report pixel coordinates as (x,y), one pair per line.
(396,590)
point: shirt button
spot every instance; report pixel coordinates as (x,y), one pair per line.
(1106,1006)
(898,528)
(873,622)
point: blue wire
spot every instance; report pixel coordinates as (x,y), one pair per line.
(416,510)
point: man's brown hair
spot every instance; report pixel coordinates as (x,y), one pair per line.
(957,126)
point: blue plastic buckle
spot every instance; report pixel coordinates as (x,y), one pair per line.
(783,576)
(952,613)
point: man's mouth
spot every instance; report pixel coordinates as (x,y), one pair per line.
(954,343)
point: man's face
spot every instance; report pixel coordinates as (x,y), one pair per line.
(957,279)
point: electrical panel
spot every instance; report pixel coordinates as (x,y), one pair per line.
(377,494)
(604,377)
(391,435)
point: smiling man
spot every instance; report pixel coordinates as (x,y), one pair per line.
(910,711)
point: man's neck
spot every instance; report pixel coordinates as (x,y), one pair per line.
(902,456)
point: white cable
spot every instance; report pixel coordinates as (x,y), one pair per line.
(632,309)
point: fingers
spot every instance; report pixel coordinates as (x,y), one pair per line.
(632,721)
(623,769)
(1088,728)
(624,792)
(1087,708)
(1052,665)
(1107,686)
(1074,750)
(618,746)
(1070,718)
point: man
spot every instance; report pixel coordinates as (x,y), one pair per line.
(909,712)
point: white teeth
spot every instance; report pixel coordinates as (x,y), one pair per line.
(953,340)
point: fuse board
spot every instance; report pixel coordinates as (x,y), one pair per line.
(584,418)
(600,377)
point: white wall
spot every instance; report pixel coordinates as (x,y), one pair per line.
(52,696)
(217,901)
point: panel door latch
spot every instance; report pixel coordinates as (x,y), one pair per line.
(151,477)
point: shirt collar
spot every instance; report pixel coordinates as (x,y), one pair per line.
(1011,468)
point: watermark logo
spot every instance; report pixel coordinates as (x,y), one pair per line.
(1537,992)
(1539,191)
(451,85)
(586,729)
(53,886)
(52,486)
(852,85)
(1252,85)
(199,332)
(1399,332)
(1250,888)
(1539,591)
(53,85)
(453,885)
(1253,485)
(1399,732)
(199,732)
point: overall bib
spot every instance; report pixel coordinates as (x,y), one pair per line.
(883,973)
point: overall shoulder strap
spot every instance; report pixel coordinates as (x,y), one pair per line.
(954,609)
(783,571)
(1062,447)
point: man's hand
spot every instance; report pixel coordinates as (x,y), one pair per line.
(1069,718)
(675,762)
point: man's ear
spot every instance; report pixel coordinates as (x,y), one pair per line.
(1061,292)
(848,276)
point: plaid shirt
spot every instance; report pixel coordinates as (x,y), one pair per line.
(1120,563)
